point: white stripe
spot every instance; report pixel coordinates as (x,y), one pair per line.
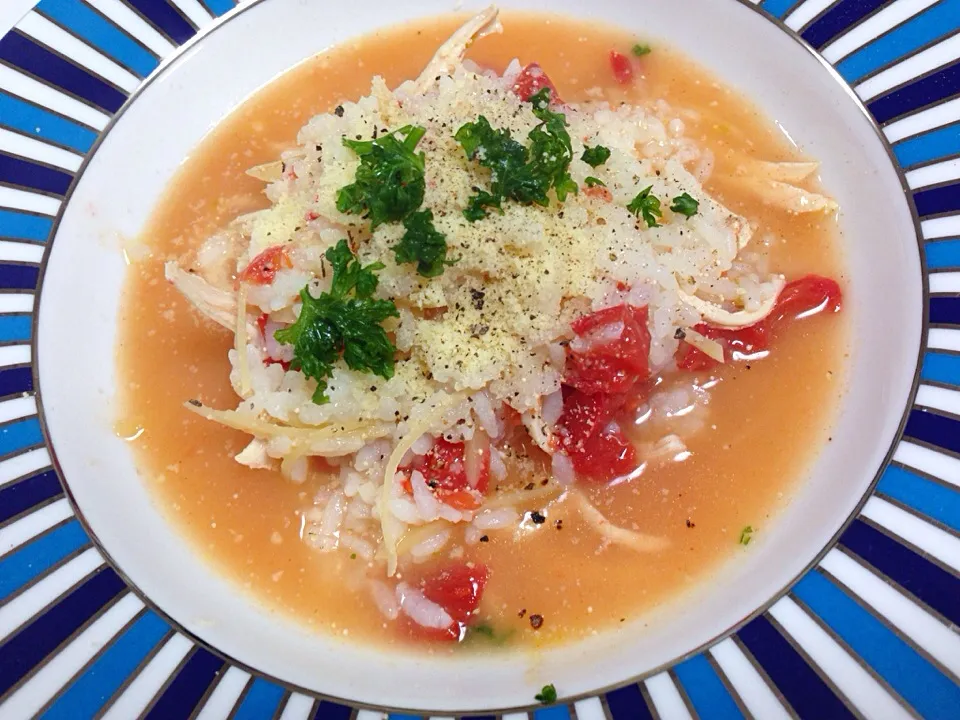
(195,11)
(510,716)
(944,282)
(589,709)
(18,407)
(62,666)
(874,26)
(224,696)
(31,202)
(929,461)
(938,398)
(23,607)
(35,149)
(943,339)
(869,697)
(141,691)
(16,302)
(374,715)
(941,227)
(298,707)
(932,540)
(24,464)
(68,46)
(136,26)
(666,698)
(904,614)
(932,117)
(753,690)
(941,172)
(805,13)
(11,355)
(41,94)
(922,62)
(29,526)
(21,252)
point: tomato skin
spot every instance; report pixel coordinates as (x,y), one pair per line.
(604,456)
(262,270)
(597,450)
(531,80)
(810,295)
(622,67)
(614,366)
(444,469)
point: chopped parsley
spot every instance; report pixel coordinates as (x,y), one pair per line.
(594,156)
(423,244)
(640,50)
(389,183)
(547,695)
(745,535)
(345,321)
(488,633)
(519,173)
(685,205)
(593,182)
(646,205)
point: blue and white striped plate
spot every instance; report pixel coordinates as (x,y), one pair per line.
(871,631)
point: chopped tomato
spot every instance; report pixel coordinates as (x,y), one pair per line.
(597,448)
(445,471)
(531,80)
(810,295)
(622,67)
(604,456)
(600,192)
(458,589)
(262,270)
(615,361)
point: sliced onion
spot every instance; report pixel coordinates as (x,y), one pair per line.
(476,456)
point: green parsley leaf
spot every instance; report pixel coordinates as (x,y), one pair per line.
(338,323)
(550,149)
(646,205)
(640,50)
(685,205)
(547,695)
(594,156)
(389,183)
(592,181)
(423,244)
(745,535)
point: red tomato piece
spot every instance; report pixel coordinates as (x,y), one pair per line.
(445,471)
(599,192)
(622,67)
(611,364)
(604,456)
(597,450)
(458,589)
(691,359)
(531,80)
(262,270)
(810,295)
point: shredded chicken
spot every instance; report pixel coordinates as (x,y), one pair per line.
(706,345)
(616,535)
(786,196)
(268,172)
(789,172)
(718,315)
(218,305)
(451,53)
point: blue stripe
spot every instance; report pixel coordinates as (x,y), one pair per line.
(18,497)
(15,327)
(554,712)
(929,497)
(906,671)
(19,51)
(184,692)
(165,18)
(934,429)
(16,380)
(101,33)
(945,310)
(839,19)
(19,277)
(943,254)
(933,585)
(17,171)
(23,226)
(777,8)
(219,7)
(940,143)
(36,122)
(941,367)
(327,710)
(391,716)
(797,681)
(19,435)
(260,701)
(930,89)
(627,703)
(707,693)
(938,200)
(89,692)
(33,642)
(38,556)
(920,30)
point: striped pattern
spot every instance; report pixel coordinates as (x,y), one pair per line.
(870,632)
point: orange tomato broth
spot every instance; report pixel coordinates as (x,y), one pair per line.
(764,422)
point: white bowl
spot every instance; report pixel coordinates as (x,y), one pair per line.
(123,180)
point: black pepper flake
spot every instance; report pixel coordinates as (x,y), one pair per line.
(195,403)
(558,524)
(536,621)
(522,613)
(690,523)
(338,111)
(484,538)
(529,486)
(538,518)
(680,334)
